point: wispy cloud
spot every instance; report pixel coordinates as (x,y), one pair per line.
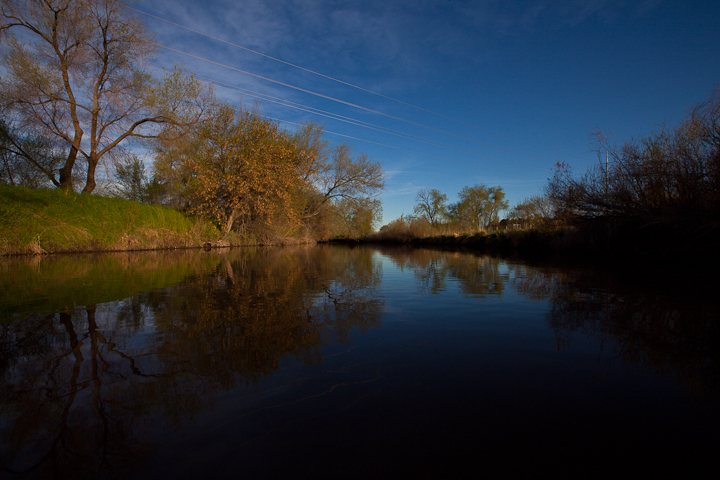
(402,190)
(526,73)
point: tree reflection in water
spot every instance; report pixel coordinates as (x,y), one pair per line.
(78,384)
(671,328)
(668,327)
(477,275)
(82,386)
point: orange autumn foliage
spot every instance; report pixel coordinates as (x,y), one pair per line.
(244,169)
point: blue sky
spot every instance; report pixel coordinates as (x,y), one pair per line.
(453,93)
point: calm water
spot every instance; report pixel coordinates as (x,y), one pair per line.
(352,362)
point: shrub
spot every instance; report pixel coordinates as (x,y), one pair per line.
(669,179)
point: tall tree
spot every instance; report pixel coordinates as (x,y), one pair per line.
(74,72)
(240,167)
(431,204)
(479,205)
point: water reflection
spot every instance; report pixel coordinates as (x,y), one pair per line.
(78,383)
(64,282)
(669,327)
(477,275)
(97,351)
(652,319)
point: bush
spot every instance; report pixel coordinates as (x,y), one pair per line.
(671,179)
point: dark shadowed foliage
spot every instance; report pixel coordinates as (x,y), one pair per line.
(665,187)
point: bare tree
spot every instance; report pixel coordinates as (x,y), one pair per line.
(74,72)
(669,178)
(431,204)
(26,159)
(340,174)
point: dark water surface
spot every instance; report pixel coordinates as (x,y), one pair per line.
(325,361)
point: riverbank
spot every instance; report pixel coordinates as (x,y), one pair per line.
(52,221)
(45,221)
(537,242)
(36,222)
(590,245)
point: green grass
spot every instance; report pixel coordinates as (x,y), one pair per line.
(33,221)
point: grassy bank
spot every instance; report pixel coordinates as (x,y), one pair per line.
(52,221)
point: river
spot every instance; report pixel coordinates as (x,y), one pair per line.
(332,361)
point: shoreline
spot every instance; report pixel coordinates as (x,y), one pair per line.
(39,250)
(577,246)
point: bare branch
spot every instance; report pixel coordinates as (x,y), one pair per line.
(80,79)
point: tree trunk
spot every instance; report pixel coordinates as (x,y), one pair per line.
(66,170)
(90,183)
(229,224)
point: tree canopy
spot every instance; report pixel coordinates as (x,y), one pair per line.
(432,205)
(241,168)
(478,206)
(74,75)
(238,166)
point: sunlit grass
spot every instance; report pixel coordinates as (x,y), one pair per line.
(32,221)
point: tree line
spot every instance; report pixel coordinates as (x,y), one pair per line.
(653,194)
(476,208)
(479,207)
(75,95)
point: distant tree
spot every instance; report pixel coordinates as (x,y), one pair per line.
(26,159)
(75,75)
(533,210)
(432,205)
(478,206)
(131,179)
(357,218)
